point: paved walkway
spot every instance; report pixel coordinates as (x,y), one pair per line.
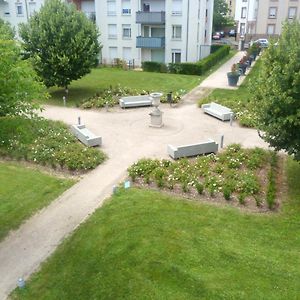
(218,79)
(126,138)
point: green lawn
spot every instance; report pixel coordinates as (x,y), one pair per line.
(24,191)
(102,78)
(146,245)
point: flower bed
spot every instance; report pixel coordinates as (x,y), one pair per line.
(236,175)
(110,97)
(47,143)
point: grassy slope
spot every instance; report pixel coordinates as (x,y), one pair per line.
(23,191)
(105,77)
(145,245)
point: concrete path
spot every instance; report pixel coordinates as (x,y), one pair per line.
(126,138)
(218,79)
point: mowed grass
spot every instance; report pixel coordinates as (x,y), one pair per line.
(103,78)
(24,191)
(147,245)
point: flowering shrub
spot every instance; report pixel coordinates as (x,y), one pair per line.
(45,142)
(234,173)
(110,97)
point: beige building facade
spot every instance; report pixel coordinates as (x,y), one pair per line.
(271,14)
(231,6)
(263,18)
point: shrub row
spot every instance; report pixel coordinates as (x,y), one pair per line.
(110,97)
(198,68)
(234,173)
(47,143)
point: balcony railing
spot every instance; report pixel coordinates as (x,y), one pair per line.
(150,42)
(143,17)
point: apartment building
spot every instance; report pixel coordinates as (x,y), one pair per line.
(18,11)
(263,18)
(155,30)
(138,30)
(271,14)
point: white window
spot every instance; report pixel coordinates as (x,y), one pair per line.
(112,31)
(127,53)
(126,31)
(19,9)
(176,32)
(272,12)
(292,12)
(31,8)
(243,12)
(271,29)
(111,8)
(126,7)
(113,53)
(177,7)
(176,56)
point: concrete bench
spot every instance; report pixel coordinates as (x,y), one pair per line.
(209,146)
(135,101)
(85,136)
(219,111)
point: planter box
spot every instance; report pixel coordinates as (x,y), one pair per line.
(233,78)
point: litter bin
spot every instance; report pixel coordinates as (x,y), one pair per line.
(169,97)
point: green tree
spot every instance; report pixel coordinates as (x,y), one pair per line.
(6,32)
(19,84)
(277,92)
(221,18)
(62,41)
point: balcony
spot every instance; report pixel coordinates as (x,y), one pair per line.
(144,17)
(150,42)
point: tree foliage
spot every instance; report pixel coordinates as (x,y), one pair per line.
(277,92)
(221,18)
(6,32)
(19,84)
(62,41)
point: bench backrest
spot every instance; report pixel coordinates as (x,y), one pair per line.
(136,98)
(219,107)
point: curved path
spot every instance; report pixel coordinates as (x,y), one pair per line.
(126,138)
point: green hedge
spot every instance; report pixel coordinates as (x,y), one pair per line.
(214,48)
(185,68)
(153,66)
(214,58)
(198,68)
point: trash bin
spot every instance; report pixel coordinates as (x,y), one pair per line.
(169,97)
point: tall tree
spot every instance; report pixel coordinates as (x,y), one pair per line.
(19,84)
(277,92)
(221,17)
(62,41)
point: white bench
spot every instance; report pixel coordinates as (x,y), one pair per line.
(209,146)
(134,101)
(85,136)
(219,111)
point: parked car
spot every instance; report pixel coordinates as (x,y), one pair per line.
(222,34)
(231,32)
(216,36)
(264,43)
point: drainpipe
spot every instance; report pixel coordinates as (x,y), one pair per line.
(26,8)
(187,31)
